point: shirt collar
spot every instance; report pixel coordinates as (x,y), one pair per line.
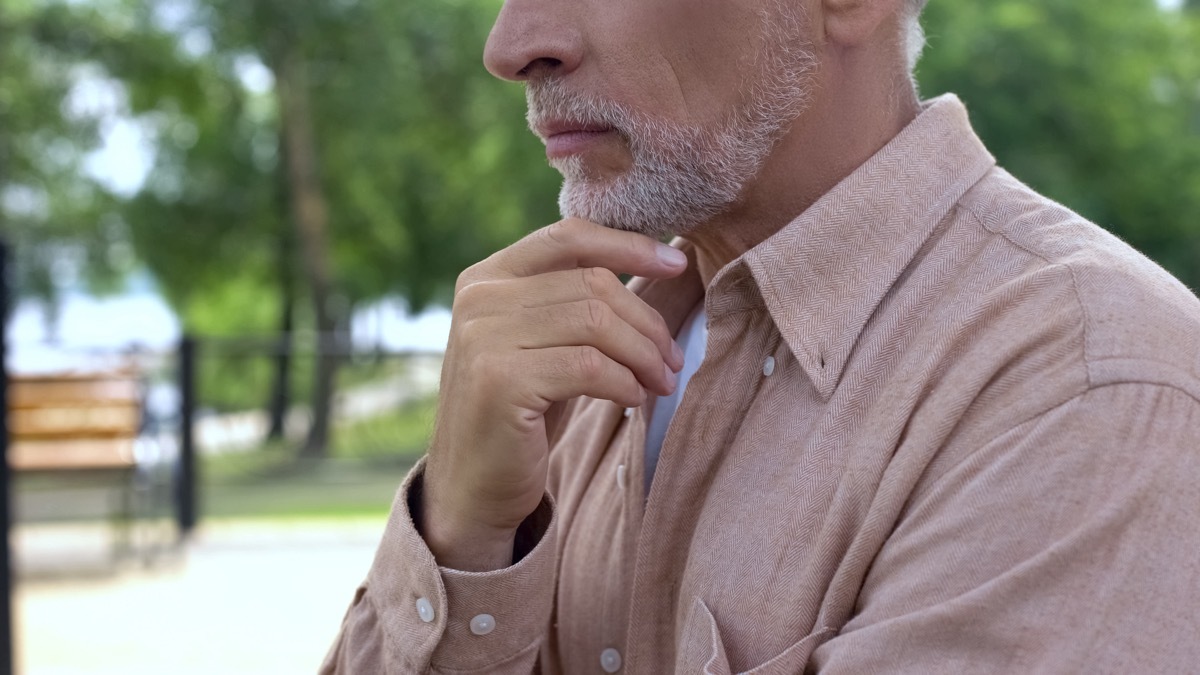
(822,275)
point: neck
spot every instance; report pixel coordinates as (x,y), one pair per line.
(857,108)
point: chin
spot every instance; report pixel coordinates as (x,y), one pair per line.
(615,208)
(647,207)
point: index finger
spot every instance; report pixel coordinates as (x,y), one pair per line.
(575,243)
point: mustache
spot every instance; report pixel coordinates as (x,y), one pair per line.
(549,100)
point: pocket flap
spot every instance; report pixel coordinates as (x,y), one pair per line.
(702,652)
(700,648)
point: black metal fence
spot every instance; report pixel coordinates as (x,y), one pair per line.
(6,636)
(246,418)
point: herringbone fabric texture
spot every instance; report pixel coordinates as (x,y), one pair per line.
(978,451)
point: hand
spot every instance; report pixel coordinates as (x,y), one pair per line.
(538,323)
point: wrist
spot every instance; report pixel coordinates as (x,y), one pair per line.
(459,543)
(469,549)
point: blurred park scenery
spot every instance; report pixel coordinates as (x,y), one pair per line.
(256,210)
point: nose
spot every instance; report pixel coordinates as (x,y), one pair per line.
(533,36)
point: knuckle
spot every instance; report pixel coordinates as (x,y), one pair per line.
(661,332)
(590,363)
(470,296)
(467,332)
(650,353)
(629,386)
(633,386)
(596,313)
(598,281)
(468,277)
(481,363)
(485,297)
(466,292)
(475,338)
(561,233)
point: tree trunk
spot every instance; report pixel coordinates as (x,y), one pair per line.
(310,215)
(281,385)
(281,394)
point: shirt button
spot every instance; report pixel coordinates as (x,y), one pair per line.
(610,660)
(425,609)
(621,478)
(483,624)
(629,412)
(769,366)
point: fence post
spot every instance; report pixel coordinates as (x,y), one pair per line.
(186,483)
(6,635)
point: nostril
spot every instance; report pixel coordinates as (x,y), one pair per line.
(545,63)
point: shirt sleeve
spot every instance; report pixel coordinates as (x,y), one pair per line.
(412,616)
(1069,544)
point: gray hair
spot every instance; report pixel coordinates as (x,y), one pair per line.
(914,37)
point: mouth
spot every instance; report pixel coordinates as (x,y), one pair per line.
(565,138)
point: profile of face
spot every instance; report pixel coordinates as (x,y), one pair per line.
(657,113)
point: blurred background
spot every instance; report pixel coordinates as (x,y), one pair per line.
(232,229)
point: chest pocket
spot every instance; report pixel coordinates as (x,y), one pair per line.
(702,652)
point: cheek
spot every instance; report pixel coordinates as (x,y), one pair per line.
(682,59)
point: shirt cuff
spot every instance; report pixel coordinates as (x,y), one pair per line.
(462,621)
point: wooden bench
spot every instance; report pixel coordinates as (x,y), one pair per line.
(81,429)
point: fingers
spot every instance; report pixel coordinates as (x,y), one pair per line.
(550,312)
(567,372)
(570,286)
(573,243)
(594,323)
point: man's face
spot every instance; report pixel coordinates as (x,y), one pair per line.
(656,112)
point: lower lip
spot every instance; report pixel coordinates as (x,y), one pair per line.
(574,142)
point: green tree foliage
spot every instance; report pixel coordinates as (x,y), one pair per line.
(440,171)
(57,219)
(1095,106)
(353,150)
(424,157)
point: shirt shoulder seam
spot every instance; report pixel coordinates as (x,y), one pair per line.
(1089,390)
(1067,400)
(1083,310)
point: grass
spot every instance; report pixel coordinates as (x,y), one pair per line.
(330,492)
(368,461)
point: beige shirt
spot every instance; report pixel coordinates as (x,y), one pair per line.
(943,425)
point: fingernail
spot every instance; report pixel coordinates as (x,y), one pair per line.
(672,382)
(671,257)
(677,355)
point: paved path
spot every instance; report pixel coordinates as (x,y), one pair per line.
(247,598)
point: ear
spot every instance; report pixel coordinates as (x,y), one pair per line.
(852,23)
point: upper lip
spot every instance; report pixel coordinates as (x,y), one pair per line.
(552,128)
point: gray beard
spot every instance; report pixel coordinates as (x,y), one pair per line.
(681,176)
